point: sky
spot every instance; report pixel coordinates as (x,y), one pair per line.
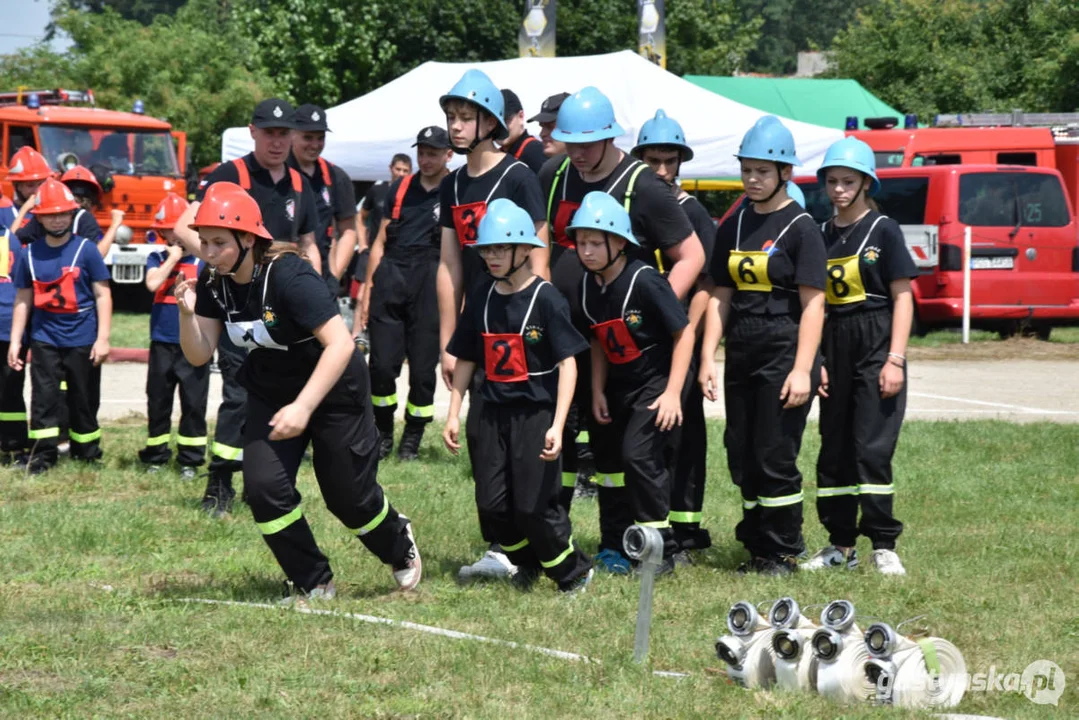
(24,24)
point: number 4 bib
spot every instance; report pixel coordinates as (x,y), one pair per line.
(613,335)
(504,353)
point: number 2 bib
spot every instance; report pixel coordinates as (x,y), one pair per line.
(749,268)
(614,337)
(845,285)
(57,296)
(504,353)
(466,218)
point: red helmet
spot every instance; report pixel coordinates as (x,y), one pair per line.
(28,165)
(227,205)
(168,211)
(81,174)
(54,197)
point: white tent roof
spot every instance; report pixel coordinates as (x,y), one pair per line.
(368,131)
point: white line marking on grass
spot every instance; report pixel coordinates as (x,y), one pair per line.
(430,629)
(1006,406)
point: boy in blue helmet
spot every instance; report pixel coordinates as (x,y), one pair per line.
(474,121)
(519,327)
(662,145)
(863,387)
(641,351)
(768,269)
(587,125)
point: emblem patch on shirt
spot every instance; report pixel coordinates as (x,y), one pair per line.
(633,318)
(871,255)
(268,318)
(533,334)
(290,209)
(325,196)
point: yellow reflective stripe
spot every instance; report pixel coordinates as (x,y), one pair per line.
(876,489)
(582,437)
(749,504)
(632,182)
(63,386)
(12,417)
(836,491)
(88,437)
(611,480)
(569,479)
(515,546)
(384,400)
(681,516)
(227,452)
(276,526)
(659,261)
(157,440)
(780,501)
(658,524)
(43,433)
(190,441)
(378,518)
(419,411)
(558,560)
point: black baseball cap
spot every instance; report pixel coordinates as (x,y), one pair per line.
(511,104)
(433,136)
(549,109)
(310,118)
(274,113)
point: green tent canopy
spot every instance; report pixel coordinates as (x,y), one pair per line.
(818,101)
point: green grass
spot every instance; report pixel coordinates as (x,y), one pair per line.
(954,336)
(96,561)
(130,330)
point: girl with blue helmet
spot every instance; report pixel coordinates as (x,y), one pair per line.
(768,301)
(863,384)
(518,326)
(474,110)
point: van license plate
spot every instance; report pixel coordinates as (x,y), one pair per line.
(992,263)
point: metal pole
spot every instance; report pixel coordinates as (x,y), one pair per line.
(966,286)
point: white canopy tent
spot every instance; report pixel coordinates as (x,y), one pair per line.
(368,131)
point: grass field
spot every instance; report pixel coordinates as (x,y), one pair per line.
(95,563)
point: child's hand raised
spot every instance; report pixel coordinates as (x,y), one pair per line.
(185,295)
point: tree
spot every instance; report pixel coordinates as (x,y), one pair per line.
(708,37)
(791,26)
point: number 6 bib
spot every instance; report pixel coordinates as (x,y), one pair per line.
(749,268)
(504,353)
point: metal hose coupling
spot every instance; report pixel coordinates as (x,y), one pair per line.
(645,545)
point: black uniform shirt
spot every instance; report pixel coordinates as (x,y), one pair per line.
(417,229)
(703,225)
(882,258)
(285,213)
(508,179)
(788,242)
(276,324)
(548,338)
(373,202)
(528,150)
(336,201)
(652,314)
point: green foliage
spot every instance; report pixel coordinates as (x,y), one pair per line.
(928,57)
(591,27)
(142,11)
(788,27)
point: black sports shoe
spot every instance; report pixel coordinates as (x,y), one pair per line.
(409,449)
(385,444)
(773,566)
(217,500)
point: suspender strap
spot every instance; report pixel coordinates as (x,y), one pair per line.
(243,173)
(327,176)
(5,254)
(399,198)
(525,143)
(554,187)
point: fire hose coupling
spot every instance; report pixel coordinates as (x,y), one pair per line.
(881,640)
(837,615)
(827,644)
(743,619)
(881,673)
(731,650)
(787,644)
(785,614)
(645,545)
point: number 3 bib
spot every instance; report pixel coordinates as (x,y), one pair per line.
(845,285)
(749,268)
(57,296)
(504,353)
(466,218)
(613,335)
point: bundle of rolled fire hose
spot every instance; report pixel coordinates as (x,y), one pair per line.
(748,649)
(931,674)
(795,663)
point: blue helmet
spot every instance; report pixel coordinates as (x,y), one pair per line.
(662,130)
(600,211)
(586,116)
(506,224)
(795,193)
(850,152)
(768,139)
(475,87)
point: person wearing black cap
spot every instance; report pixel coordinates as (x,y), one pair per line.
(519,143)
(336,233)
(400,298)
(290,212)
(547,118)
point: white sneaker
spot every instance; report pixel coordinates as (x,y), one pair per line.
(887,562)
(493,564)
(408,572)
(301,599)
(831,557)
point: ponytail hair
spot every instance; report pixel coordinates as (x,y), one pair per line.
(264,252)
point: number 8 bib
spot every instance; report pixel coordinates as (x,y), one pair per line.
(845,285)
(504,353)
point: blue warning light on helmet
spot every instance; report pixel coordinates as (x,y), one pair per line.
(586,116)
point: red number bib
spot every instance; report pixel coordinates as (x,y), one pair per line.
(58,296)
(183,271)
(466,221)
(618,345)
(504,357)
(562,219)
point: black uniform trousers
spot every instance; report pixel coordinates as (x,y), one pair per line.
(49,365)
(632,465)
(762,438)
(688,460)
(12,404)
(344,446)
(517,492)
(403,323)
(474,430)
(226,453)
(859,432)
(168,368)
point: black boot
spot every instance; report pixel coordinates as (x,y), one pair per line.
(409,449)
(385,444)
(217,500)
